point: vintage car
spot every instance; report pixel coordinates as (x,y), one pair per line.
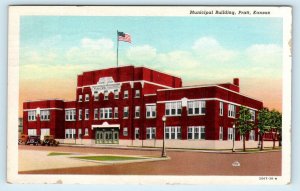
(23,139)
(34,140)
(50,141)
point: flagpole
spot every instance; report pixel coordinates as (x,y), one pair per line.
(117,49)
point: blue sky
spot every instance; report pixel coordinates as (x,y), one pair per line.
(201,50)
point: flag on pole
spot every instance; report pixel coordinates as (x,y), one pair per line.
(124,37)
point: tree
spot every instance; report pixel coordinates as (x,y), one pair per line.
(243,123)
(275,124)
(263,124)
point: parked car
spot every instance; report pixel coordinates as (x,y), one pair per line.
(23,139)
(34,140)
(50,141)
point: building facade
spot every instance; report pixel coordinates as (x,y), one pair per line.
(125,106)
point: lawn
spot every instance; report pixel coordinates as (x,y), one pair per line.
(57,154)
(108,158)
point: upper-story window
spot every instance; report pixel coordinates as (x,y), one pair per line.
(125,113)
(116,113)
(106,113)
(31,115)
(96,96)
(221,111)
(96,113)
(150,111)
(116,94)
(79,114)
(87,114)
(45,115)
(173,108)
(137,93)
(105,95)
(70,115)
(252,112)
(87,97)
(196,107)
(80,98)
(125,94)
(137,111)
(231,110)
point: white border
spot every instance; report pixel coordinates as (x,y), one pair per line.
(13,94)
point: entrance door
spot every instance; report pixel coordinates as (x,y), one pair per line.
(107,136)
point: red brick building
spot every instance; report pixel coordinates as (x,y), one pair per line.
(125,106)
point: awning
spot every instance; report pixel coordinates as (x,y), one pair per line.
(106,125)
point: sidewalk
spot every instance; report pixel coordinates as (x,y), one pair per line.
(114,146)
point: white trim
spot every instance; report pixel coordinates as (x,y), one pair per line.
(43,109)
(150,104)
(70,108)
(150,94)
(106,125)
(37,100)
(210,99)
(131,82)
(209,85)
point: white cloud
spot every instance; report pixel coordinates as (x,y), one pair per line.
(101,44)
(144,53)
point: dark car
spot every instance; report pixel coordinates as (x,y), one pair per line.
(49,141)
(34,140)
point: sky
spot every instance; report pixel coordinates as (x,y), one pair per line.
(200,50)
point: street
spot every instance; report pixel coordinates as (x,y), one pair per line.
(190,162)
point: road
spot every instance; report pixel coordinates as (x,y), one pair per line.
(181,163)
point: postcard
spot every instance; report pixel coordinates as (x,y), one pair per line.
(149,94)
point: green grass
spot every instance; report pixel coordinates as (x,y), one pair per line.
(57,154)
(108,158)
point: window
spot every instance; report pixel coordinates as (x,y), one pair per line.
(125,131)
(116,113)
(45,115)
(116,94)
(136,133)
(105,95)
(86,132)
(87,97)
(230,134)
(173,108)
(221,108)
(150,111)
(80,114)
(87,114)
(96,113)
(231,110)
(137,111)
(196,107)
(221,133)
(125,114)
(125,94)
(106,113)
(252,113)
(79,133)
(70,133)
(252,135)
(137,93)
(70,115)
(196,132)
(150,133)
(173,133)
(96,96)
(80,98)
(31,132)
(31,116)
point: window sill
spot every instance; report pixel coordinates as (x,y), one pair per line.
(105,118)
(70,120)
(231,117)
(173,115)
(150,117)
(45,119)
(195,114)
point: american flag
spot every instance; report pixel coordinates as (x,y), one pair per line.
(124,37)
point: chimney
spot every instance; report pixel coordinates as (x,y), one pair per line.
(236,81)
